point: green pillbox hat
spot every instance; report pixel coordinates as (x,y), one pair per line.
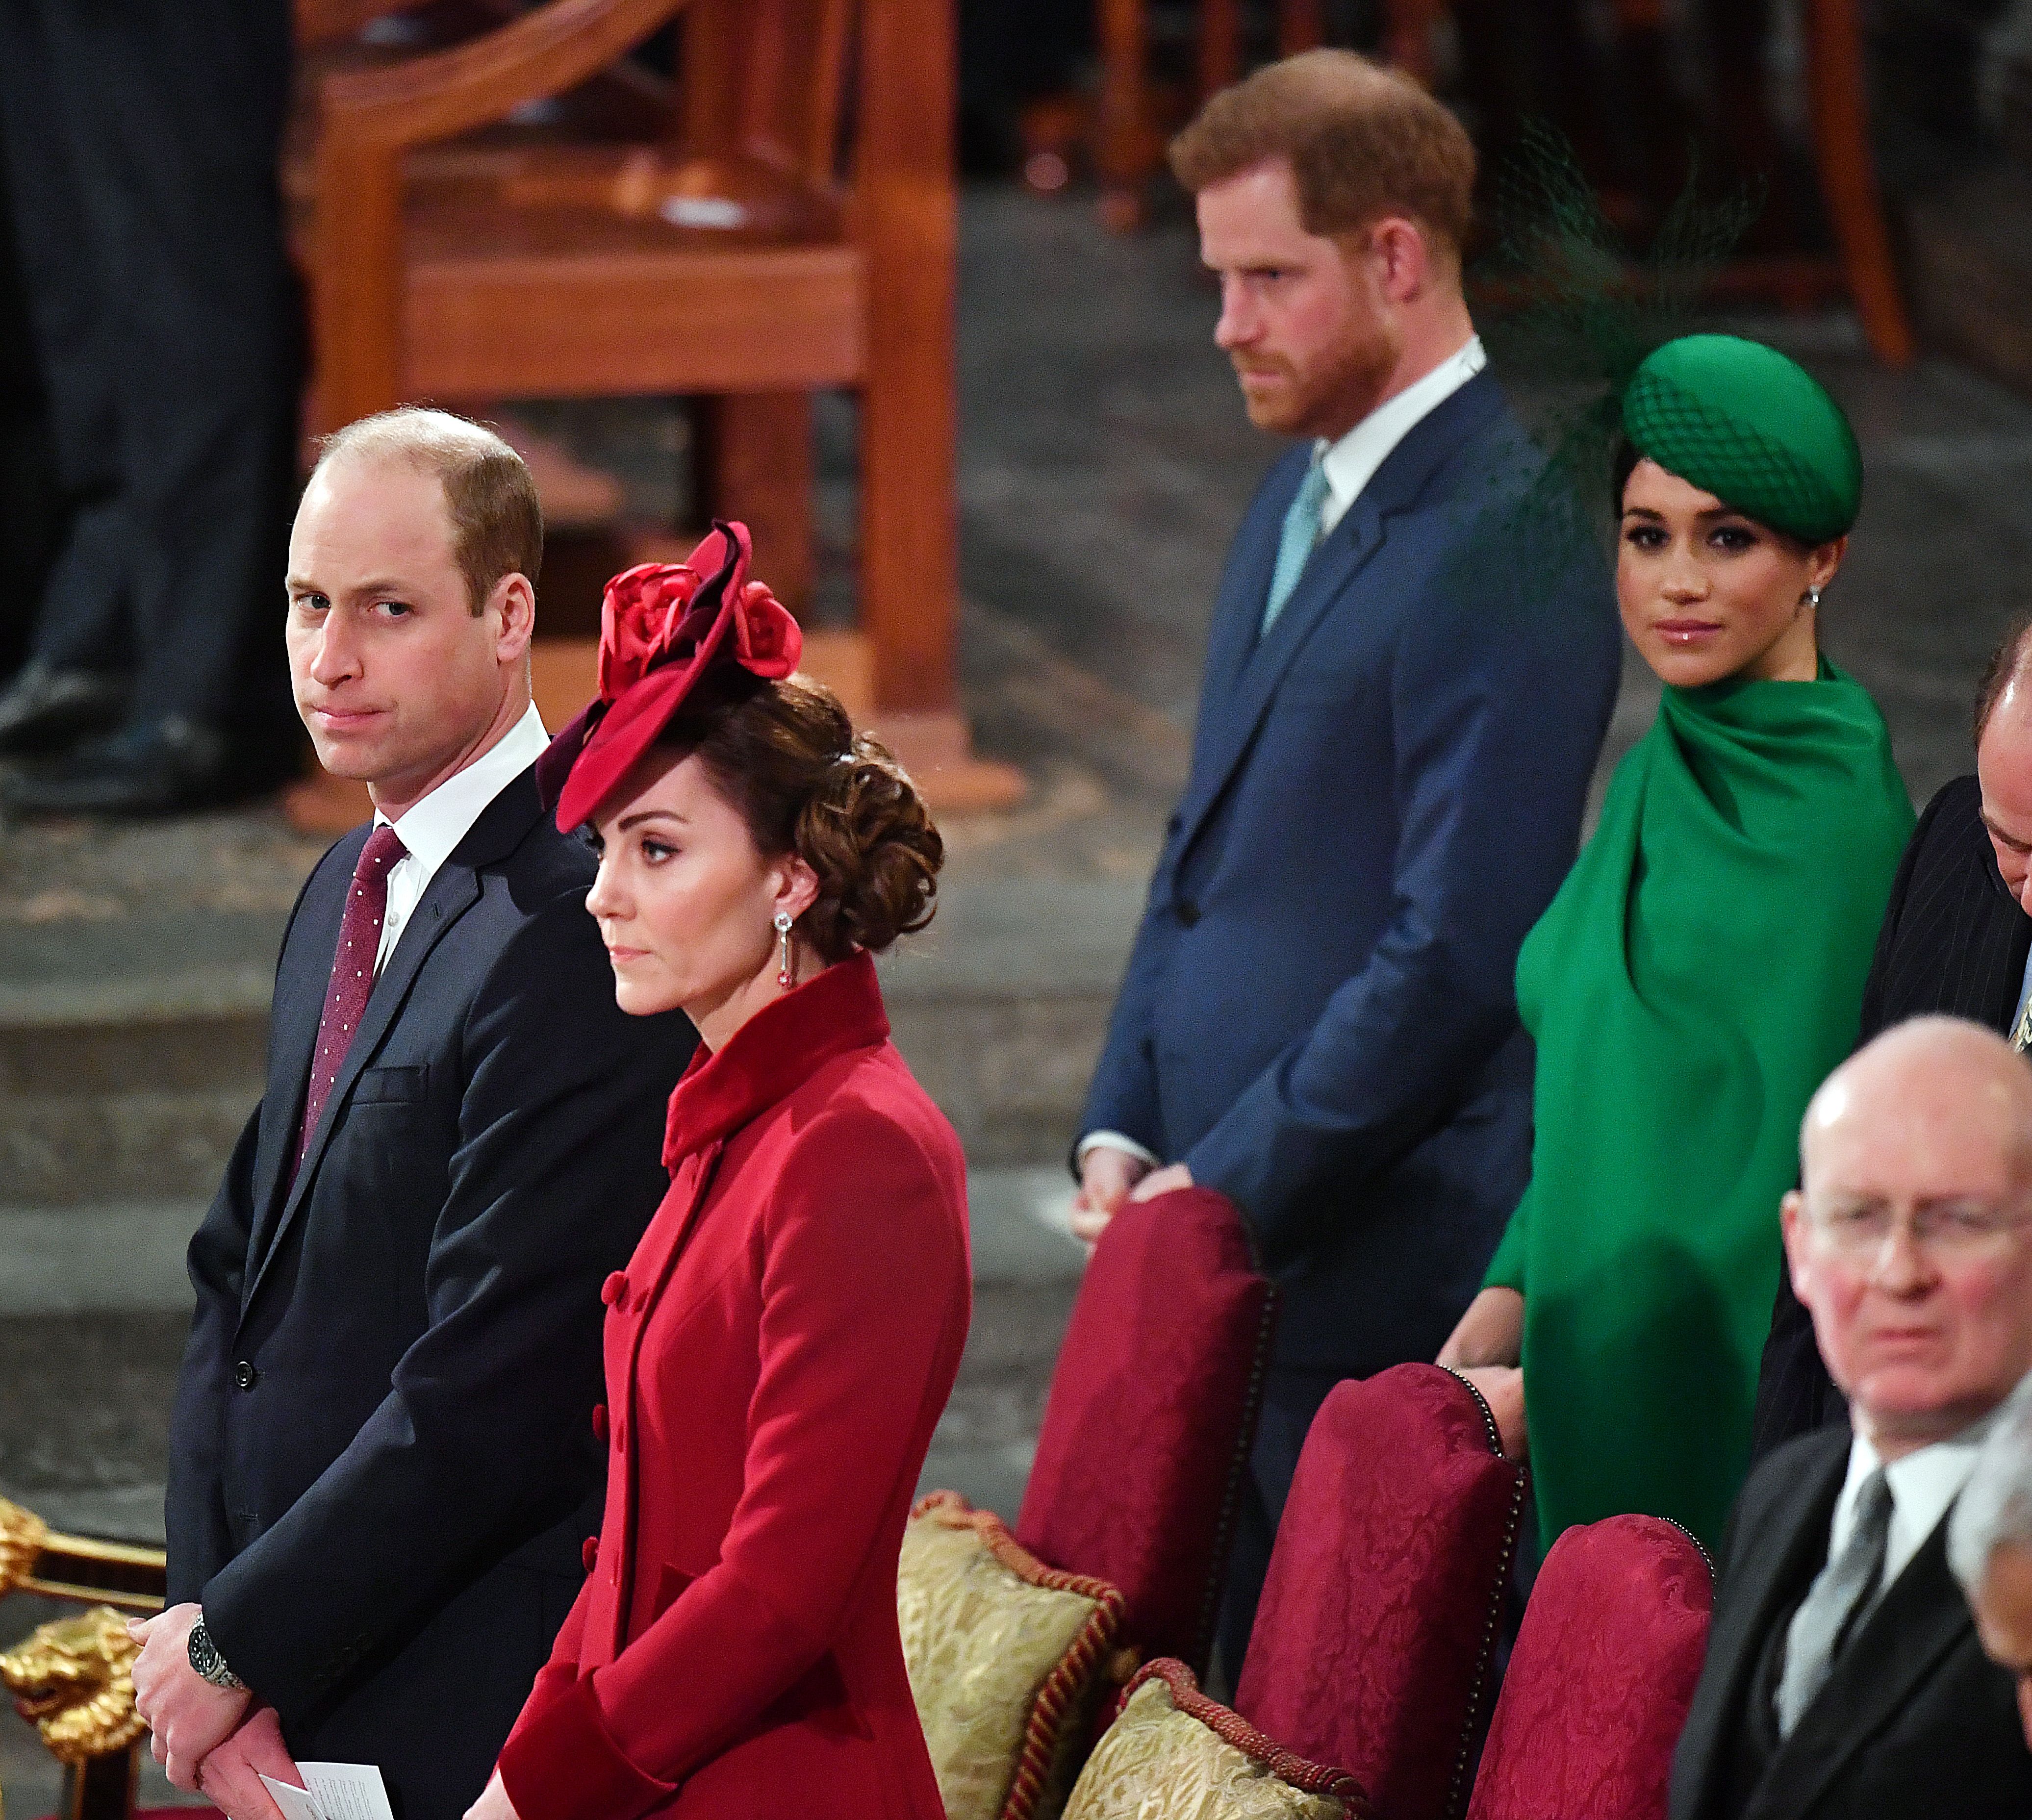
(1741,421)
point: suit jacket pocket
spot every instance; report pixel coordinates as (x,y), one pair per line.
(377,1085)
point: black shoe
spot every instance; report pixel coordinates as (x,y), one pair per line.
(156,768)
(45,708)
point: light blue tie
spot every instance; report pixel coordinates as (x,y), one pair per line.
(1295,542)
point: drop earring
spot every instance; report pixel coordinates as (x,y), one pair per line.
(783,948)
(1813,598)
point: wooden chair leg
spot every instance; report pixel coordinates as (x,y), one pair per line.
(1123,134)
(1838,84)
(755,461)
(1219,45)
(910,519)
(1302,25)
(1407,36)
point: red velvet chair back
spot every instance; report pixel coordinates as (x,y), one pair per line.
(1602,1675)
(1373,1641)
(1153,1406)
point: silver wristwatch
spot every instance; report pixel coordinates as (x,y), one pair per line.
(204,1657)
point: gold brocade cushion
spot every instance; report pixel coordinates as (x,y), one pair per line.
(1008,1658)
(1173,1751)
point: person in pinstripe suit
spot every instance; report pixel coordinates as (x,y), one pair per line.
(1957,938)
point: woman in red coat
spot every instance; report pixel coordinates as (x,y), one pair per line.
(782,1344)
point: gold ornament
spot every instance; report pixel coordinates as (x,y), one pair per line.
(74,1679)
(22,1535)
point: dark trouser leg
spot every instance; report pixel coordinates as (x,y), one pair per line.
(174,111)
(81,621)
(28,500)
(1290,1400)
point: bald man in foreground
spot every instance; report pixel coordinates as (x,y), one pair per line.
(1843,1674)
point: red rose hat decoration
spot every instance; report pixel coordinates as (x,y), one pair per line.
(663,625)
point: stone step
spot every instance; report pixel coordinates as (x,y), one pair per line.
(95,1305)
(116,1086)
(57,1150)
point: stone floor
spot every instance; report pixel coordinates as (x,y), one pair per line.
(1105,460)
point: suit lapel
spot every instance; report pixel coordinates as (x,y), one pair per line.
(1245,587)
(453,890)
(1762,1580)
(1259,666)
(1918,1621)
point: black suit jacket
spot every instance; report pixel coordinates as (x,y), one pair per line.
(1953,940)
(382,1465)
(1913,1719)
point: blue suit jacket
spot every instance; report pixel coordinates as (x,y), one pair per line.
(1319,1016)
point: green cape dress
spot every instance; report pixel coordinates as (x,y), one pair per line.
(1698,975)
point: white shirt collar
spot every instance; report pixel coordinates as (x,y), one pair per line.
(1350,463)
(433,825)
(1924,1484)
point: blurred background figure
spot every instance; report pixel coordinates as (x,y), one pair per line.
(1990,1545)
(140,144)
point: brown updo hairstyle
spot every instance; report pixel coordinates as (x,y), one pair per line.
(785,754)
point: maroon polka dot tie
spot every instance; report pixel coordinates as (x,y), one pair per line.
(351,974)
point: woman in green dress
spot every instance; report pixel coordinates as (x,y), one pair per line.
(1701,969)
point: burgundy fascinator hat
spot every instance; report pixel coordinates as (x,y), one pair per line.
(663,625)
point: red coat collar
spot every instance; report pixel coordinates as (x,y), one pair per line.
(773,1054)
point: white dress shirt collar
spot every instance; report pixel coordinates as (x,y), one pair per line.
(1923,1485)
(1350,463)
(434,825)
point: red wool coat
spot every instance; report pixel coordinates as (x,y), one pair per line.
(778,1350)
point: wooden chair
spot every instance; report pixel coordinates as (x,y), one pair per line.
(734,255)
(72,1676)
(1129,150)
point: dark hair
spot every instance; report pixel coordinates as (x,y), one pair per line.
(785,755)
(1363,142)
(1624,464)
(2004,663)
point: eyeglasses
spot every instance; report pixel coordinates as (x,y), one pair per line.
(1946,1230)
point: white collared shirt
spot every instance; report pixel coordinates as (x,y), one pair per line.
(1350,463)
(431,827)
(1923,1485)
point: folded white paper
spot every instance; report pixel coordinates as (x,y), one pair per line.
(334,1792)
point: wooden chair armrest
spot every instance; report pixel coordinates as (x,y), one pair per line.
(328,21)
(540,54)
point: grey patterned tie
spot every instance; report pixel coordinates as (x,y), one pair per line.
(1837,1601)
(2021,1033)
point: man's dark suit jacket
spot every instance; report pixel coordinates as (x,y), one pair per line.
(1319,1017)
(1953,940)
(1914,1719)
(382,1468)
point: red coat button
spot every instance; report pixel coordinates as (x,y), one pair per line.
(590,1552)
(613,1288)
(599,1422)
